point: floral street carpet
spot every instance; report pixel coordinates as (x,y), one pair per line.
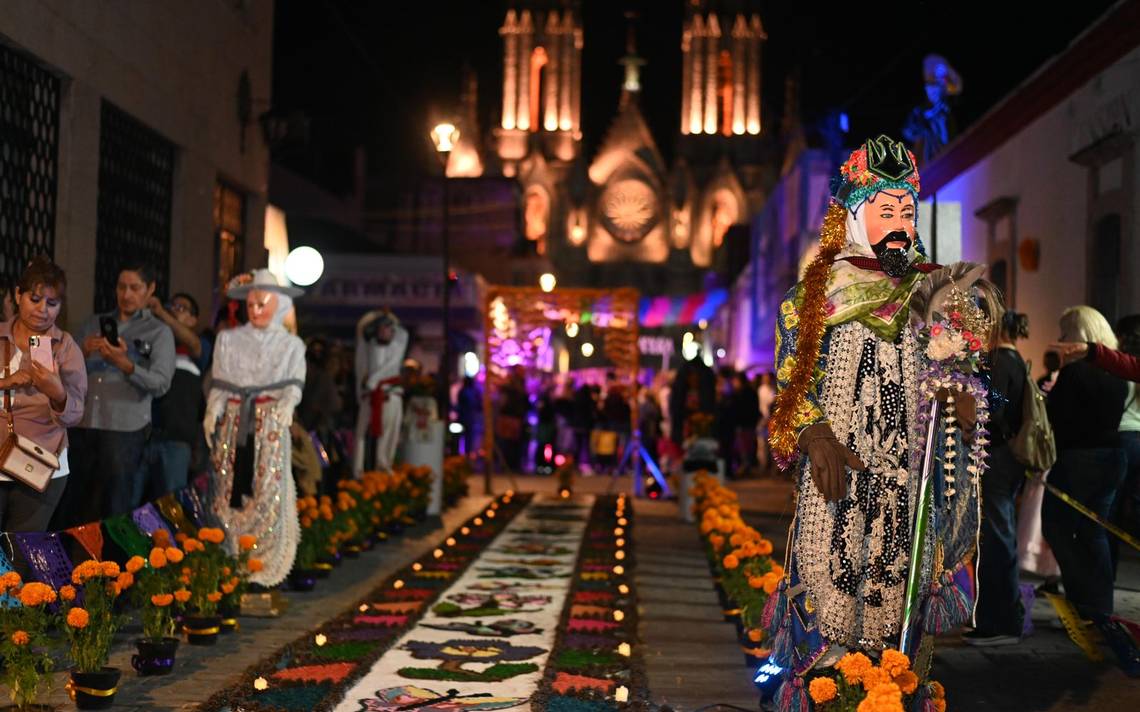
(528,606)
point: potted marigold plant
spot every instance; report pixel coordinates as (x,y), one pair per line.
(24,625)
(156,583)
(858,684)
(328,557)
(235,581)
(202,574)
(90,628)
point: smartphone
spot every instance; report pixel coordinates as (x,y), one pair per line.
(40,348)
(110,329)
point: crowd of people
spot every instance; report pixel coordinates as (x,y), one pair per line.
(593,422)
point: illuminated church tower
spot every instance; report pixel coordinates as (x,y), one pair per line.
(720,77)
(542,70)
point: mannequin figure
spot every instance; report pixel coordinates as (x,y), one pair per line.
(380,346)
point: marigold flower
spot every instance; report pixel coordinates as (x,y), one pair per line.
(771,583)
(894,663)
(226,571)
(36,594)
(211,534)
(186,571)
(256,565)
(937,691)
(227,588)
(182,595)
(181,537)
(214,597)
(67,592)
(11,579)
(756,581)
(764,548)
(939,705)
(158,558)
(853,666)
(161,537)
(162,600)
(731,562)
(822,689)
(21,637)
(755,635)
(78,618)
(191,545)
(174,555)
(184,580)
(247,542)
(126,580)
(135,563)
(110,569)
(306,522)
(907,682)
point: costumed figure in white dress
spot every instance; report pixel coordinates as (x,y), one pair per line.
(865,364)
(258,374)
(380,346)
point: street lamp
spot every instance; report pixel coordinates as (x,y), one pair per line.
(547,282)
(444,136)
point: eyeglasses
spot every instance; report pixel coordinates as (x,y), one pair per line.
(181,308)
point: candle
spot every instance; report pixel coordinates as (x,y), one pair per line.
(619,554)
(450,541)
(464,531)
(320,639)
(619,570)
(438,553)
(261,684)
(397,584)
(619,616)
(621,694)
(623,589)
(625,650)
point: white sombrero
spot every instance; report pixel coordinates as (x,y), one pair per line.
(262,279)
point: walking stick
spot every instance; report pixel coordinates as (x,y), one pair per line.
(918,532)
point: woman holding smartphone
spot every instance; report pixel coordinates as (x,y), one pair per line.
(45,381)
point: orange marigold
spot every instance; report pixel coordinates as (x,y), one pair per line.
(226,571)
(125,580)
(135,563)
(247,542)
(67,592)
(110,569)
(764,548)
(214,597)
(823,689)
(161,537)
(181,537)
(756,635)
(756,581)
(939,705)
(227,588)
(192,545)
(853,666)
(894,663)
(162,600)
(184,579)
(182,595)
(21,637)
(36,594)
(174,555)
(211,534)
(907,682)
(256,565)
(771,583)
(158,558)
(937,691)
(78,618)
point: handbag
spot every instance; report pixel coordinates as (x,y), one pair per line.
(21,458)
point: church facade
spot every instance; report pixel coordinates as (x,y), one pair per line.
(622,215)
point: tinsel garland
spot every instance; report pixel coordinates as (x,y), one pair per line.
(812,322)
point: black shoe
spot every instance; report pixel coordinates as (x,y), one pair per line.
(1127,654)
(986,639)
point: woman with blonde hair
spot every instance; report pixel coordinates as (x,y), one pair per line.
(1085,407)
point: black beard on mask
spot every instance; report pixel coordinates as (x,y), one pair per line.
(895,261)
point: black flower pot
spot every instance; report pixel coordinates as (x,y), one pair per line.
(229,614)
(155,657)
(202,630)
(94,690)
(302,579)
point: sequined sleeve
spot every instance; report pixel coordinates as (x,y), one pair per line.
(787,331)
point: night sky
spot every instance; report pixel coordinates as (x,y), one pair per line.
(377,72)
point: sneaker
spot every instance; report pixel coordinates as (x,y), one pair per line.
(982,639)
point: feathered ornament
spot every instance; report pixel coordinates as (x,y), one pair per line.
(933,292)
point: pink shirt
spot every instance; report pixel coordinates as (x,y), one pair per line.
(35,418)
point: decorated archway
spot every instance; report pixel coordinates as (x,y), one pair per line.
(520,321)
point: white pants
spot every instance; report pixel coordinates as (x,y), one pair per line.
(392,417)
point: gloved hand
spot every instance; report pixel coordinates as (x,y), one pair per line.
(828,457)
(965,409)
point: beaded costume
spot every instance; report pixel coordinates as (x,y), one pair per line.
(848,356)
(258,375)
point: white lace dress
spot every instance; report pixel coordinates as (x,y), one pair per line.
(268,366)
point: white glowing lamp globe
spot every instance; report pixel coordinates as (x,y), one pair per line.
(587,349)
(444,136)
(303,266)
(547,282)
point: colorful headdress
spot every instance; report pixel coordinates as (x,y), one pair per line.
(879,164)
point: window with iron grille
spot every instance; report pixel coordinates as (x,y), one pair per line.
(136,176)
(229,231)
(29,145)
